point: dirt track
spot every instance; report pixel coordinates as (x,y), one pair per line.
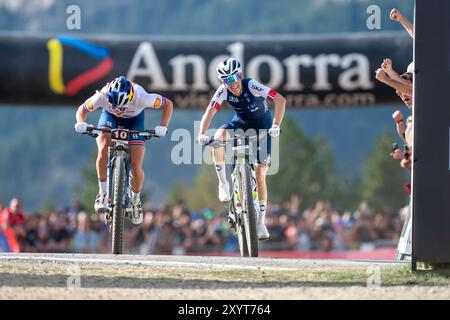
(162,277)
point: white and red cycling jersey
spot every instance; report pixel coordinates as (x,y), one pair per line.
(141,100)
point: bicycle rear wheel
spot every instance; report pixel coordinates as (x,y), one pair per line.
(249,212)
(118,209)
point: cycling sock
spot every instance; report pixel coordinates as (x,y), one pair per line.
(135,196)
(220,169)
(102,186)
(262,211)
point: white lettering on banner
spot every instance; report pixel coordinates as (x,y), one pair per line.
(354,74)
(299,100)
(179,71)
(152,69)
(293,64)
(321,63)
(275,67)
(361,72)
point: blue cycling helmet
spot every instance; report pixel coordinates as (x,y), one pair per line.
(120,93)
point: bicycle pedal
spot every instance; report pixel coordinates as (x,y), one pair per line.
(232,224)
(128,213)
(108,218)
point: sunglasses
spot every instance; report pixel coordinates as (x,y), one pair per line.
(234,78)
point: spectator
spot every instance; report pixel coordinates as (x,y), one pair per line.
(211,231)
(139,238)
(406,96)
(14,218)
(340,237)
(59,236)
(363,231)
(165,241)
(291,234)
(72,211)
(397,16)
(383,225)
(396,82)
(31,242)
(303,236)
(85,240)
(399,124)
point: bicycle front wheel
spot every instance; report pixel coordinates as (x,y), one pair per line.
(249,212)
(118,209)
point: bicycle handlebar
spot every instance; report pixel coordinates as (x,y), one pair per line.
(94,132)
(225,141)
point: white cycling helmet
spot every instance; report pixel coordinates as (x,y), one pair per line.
(228,67)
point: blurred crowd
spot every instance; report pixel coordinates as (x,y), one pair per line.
(177,230)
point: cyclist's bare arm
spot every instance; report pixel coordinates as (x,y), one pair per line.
(81,114)
(280,107)
(166,113)
(207,118)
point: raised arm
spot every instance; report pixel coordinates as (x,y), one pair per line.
(380,75)
(387,67)
(397,16)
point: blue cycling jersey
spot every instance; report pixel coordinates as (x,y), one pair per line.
(251,105)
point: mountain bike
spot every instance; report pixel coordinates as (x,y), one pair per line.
(243,208)
(118,181)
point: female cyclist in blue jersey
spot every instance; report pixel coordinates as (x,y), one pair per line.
(123,104)
(248,98)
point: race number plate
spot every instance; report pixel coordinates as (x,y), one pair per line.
(121,135)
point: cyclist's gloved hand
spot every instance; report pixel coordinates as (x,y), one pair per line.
(81,127)
(274,131)
(202,139)
(160,131)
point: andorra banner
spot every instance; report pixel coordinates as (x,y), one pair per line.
(311,71)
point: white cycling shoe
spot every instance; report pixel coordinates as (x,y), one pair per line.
(137,215)
(101,204)
(262,232)
(224,192)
